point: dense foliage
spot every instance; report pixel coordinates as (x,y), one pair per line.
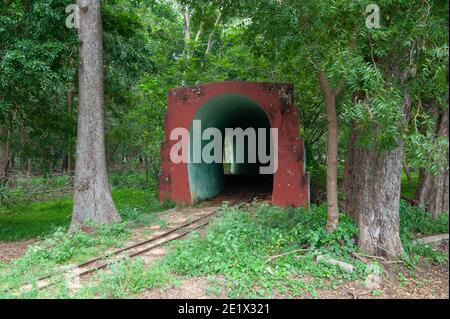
(392,82)
(147,53)
(266,252)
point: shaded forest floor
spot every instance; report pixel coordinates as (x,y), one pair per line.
(427,281)
(199,267)
(252,251)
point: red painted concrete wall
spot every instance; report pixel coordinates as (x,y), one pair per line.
(290,183)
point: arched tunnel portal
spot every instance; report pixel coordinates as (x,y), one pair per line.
(229,111)
(228,106)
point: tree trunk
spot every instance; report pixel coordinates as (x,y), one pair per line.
(332,152)
(199,32)
(433,190)
(372,194)
(4,152)
(92,193)
(407,173)
(70,97)
(29,167)
(211,34)
(187,29)
(376,199)
(347,184)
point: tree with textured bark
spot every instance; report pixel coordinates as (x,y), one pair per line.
(209,45)
(427,142)
(4,152)
(187,29)
(372,174)
(403,70)
(92,194)
(380,78)
(372,192)
(330,96)
(433,190)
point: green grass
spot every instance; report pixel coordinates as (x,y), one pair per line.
(32,219)
(238,246)
(57,247)
(127,279)
(414,221)
(235,252)
(25,221)
(55,250)
(130,179)
(408,190)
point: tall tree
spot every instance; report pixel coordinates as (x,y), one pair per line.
(320,54)
(34,66)
(433,190)
(330,96)
(92,193)
(394,82)
(4,151)
(187,28)
(373,180)
(428,144)
(379,89)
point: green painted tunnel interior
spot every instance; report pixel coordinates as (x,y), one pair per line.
(206,180)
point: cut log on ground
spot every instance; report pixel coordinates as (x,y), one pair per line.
(344,266)
(433,240)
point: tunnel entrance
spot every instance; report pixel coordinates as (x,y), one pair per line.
(232,111)
(234,105)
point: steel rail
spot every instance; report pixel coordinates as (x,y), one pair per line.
(144,250)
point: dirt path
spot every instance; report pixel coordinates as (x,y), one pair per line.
(192,288)
(14,249)
(427,281)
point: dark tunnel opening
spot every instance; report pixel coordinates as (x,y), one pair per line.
(235,174)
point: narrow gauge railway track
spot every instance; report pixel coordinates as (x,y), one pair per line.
(134,250)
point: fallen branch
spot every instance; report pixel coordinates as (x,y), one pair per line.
(357,294)
(399,261)
(344,266)
(367,256)
(285,254)
(49,191)
(436,239)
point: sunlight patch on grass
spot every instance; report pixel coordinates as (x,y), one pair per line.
(409,188)
(29,220)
